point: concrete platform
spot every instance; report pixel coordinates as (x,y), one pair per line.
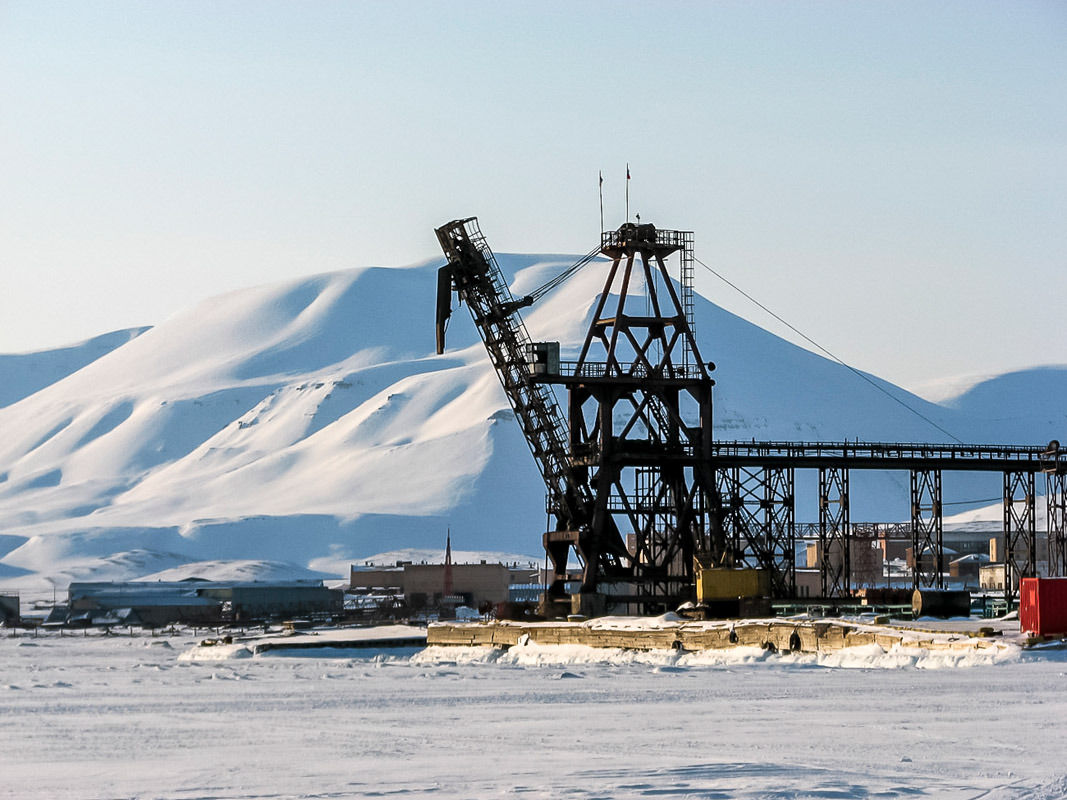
(672,633)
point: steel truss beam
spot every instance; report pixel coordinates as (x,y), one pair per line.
(835,534)
(760,520)
(1056,497)
(927,539)
(1020,531)
(472,271)
(886,455)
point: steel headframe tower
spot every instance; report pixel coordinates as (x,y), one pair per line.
(639,422)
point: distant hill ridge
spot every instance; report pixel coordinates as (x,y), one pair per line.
(415,555)
(308,422)
(23,374)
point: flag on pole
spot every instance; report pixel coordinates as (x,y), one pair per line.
(601,173)
(627,172)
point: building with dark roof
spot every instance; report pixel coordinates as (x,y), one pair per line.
(195,601)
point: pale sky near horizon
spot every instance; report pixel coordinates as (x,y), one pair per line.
(890,177)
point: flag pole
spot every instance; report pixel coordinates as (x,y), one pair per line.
(627,192)
(601,202)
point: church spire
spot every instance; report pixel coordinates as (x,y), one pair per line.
(448,564)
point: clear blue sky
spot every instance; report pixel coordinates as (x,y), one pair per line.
(889,177)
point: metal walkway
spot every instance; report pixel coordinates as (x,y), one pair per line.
(756,484)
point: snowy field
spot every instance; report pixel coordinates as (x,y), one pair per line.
(120,717)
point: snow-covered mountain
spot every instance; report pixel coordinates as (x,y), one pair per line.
(432,555)
(309,422)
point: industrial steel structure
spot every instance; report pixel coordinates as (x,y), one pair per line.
(639,489)
(768,466)
(629,480)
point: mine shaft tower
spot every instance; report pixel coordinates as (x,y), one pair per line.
(639,417)
(629,479)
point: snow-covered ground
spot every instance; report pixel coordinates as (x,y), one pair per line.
(117,717)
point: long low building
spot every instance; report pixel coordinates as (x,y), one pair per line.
(153,604)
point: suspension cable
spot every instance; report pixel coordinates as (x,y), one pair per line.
(540,292)
(973,502)
(822,349)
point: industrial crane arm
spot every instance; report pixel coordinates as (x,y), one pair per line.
(473,273)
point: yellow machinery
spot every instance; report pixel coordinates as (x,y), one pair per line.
(723,583)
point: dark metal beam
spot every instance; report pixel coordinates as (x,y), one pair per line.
(927,542)
(1056,498)
(760,521)
(780,516)
(880,455)
(1020,531)
(835,534)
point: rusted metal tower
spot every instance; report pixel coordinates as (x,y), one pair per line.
(628,476)
(639,425)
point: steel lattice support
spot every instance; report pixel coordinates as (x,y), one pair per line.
(835,563)
(760,521)
(742,494)
(1056,497)
(927,540)
(780,541)
(1020,531)
(472,271)
(865,569)
(727,486)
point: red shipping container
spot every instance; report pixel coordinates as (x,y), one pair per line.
(1043,606)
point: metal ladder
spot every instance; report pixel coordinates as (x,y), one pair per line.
(687,291)
(480,283)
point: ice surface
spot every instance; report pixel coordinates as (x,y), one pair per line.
(100,717)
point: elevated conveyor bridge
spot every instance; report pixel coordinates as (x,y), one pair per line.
(756,482)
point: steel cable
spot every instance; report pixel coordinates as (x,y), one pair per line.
(541,291)
(822,349)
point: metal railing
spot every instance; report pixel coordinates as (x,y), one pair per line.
(638,235)
(857,452)
(599,369)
